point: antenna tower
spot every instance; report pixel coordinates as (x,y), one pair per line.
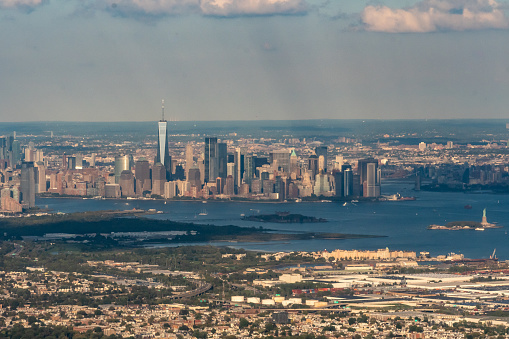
(162,110)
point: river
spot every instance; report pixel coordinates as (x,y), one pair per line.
(402,223)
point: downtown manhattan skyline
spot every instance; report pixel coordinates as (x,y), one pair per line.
(252,60)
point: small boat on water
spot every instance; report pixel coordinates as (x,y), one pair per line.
(203,212)
(468,207)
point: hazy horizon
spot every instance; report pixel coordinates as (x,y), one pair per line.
(114,60)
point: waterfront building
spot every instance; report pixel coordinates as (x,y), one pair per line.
(112,191)
(322,186)
(348,190)
(338,181)
(126,183)
(41,177)
(170,189)
(229,187)
(370,176)
(158,179)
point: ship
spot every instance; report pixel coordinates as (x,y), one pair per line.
(398,197)
(468,207)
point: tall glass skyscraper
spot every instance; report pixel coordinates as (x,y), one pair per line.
(163,154)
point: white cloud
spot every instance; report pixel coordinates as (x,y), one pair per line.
(436,15)
(252,7)
(20,3)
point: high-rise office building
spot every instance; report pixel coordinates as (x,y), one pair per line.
(41,177)
(142,174)
(216,160)
(222,160)
(27,184)
(126,183)
(313,165)
(163,153)
(294,165)
(193,177)
(158,179)
(189,159)
(280,159)
(338,183)
(369,175)
(122,163)
(15,157)
(211,160)
(249,169)
(348,190)
(322,151)
(238,160)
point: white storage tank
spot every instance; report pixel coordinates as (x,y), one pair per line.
(278,299)
(253,300)
(238,298)
(311,302)
(295,300)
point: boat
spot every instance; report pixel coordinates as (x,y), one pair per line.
(203,212)
(479,229)
(345,203)
(355,200)
(468,207)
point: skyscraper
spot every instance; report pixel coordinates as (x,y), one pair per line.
(27,184)
(122,163)
(189,159)
(249,168)
(142,174)
(238,160)
(211,161)
(369,174)
(281,159)
(163,154)
(322,151)
(216,160)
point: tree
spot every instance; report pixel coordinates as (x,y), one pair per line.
(243,323)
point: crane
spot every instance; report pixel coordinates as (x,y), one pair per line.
(492,256)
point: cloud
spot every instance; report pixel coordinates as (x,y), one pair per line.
(20,3)
(252,7)
(436,15)
(220,8)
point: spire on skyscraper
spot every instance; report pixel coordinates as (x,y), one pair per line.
(162,111)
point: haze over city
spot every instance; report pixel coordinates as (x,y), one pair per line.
(246,60)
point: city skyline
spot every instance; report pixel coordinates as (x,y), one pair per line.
(114,61)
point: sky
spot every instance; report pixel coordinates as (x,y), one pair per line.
(115,60)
